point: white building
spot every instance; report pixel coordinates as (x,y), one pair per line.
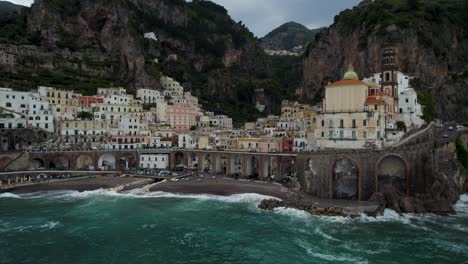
(185,141)
(29,106)
(149,96)
(154,161)
(111,91)
(171,87)
(151,35)
(408,106)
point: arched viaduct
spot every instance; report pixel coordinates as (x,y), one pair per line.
(83,160)
(341,174)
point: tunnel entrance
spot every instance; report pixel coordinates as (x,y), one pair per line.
(391,174)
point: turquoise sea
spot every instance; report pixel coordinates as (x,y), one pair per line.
(106,227)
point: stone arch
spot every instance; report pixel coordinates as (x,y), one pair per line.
(127,162)
(345,179)
(236,165)
(392,173)
(207,162)
(193,160)
(37,163)
(5,144)
(253,167)
(179,159)
(84,162)
(107,161)
(41,135)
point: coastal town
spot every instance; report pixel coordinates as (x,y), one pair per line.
(367,113)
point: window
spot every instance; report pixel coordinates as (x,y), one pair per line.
(365,134)
(323,123)
(8,104)
(364,122)
(354,123)
(341,123)
(330,134)
(354,134)
(341,134)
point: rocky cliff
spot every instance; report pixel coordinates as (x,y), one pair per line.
(432,42)
(85,44)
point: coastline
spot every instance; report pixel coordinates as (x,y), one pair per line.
(81,185)
(280,195)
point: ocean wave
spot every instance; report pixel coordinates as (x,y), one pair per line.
(41,227)
(294,213)
(76,195)
(461,206)
(319,253)
(9,195)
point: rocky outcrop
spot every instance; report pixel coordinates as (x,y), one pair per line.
(433,48)
(443,190)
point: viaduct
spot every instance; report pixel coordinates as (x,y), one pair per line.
(339,174)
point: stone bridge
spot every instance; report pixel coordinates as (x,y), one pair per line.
(83,160)
(236,163)
(339,174)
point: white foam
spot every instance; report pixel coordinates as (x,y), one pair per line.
(43,227)
(461,206)
(9,195)
(67,195)
(291,212)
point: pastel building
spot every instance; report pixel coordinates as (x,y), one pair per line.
(83,131)
(353,115)
(88,101)
(181,116)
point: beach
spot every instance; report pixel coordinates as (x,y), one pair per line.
(221,186)
(82,184)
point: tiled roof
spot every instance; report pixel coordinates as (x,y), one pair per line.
(374,101)
(347,82)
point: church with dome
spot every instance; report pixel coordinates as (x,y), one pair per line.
(363,114)
(353,114)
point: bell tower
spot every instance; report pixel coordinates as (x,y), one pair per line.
(389,80)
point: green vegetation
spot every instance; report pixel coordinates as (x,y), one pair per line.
(401,126)
(425,99)
(13,29)
(148,106)
(377,16)
(85,115)
(462,153)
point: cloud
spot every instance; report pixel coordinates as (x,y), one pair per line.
(22,2)
(262,16)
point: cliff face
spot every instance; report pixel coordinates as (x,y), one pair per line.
(85,44)
(431,39)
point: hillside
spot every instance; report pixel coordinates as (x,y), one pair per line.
(288,36)
(85,44)
(6,7)
(432,41)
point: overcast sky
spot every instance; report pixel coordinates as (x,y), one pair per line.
(262,16)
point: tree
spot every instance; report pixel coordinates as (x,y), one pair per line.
(85,115)
(413,4)
(401,125)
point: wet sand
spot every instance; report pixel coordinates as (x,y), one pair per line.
(82,184)
(221,186)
